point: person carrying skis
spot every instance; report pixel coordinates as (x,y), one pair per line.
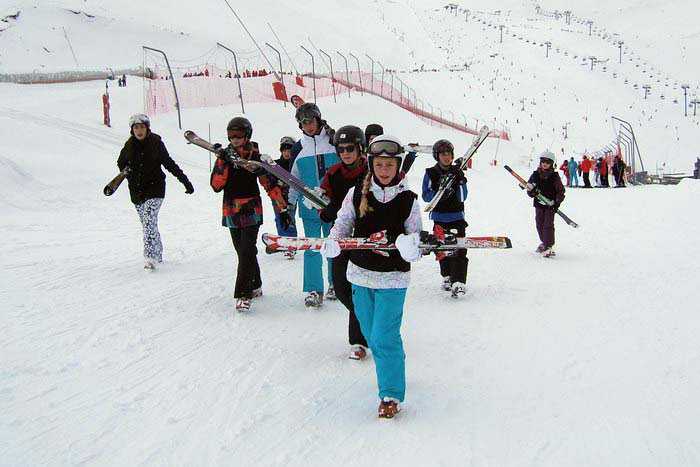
(545,180)
(285,161)
(350,145)
(242,207)
(382,202)
(449,213)
(316,156)
(145,155)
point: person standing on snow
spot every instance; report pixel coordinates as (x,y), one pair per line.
(242,207)
(586,169)
(145,155)
(573,174)
(379,280)
(285,161)
(349,143)
(449,213)
(316,156)
(545,180)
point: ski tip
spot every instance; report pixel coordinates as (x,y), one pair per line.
(507,168)
(508,243)
(189,134)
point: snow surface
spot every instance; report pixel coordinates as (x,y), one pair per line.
(590,358)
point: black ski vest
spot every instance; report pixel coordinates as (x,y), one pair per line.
(447,203)
(384,216)
(242,183)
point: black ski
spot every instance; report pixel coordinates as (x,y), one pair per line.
(540,197)
(112,186)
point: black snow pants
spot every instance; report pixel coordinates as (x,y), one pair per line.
(248,274)
(455,266)
(343,291)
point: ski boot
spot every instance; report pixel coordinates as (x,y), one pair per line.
(458,289)
(257,292)
(540,248)
(389,407)
(446,284)
(330,295)
(357,352)
(313,299)
(150,264)
(243,304)
(548,253)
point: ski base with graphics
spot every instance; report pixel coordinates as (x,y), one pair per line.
(265,163)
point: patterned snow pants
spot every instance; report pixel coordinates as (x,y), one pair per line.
(148,213)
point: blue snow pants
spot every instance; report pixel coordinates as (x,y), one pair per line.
(573,180)
(380,312)
(290,232)
(313,261)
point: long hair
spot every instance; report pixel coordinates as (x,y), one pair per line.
(364,206)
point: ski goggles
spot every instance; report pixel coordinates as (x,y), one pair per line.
(390,148)
(233,134)
(341,149)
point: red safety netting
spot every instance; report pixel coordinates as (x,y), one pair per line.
(215,87)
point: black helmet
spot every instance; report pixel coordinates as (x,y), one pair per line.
(373,129)
(350,134)
(241,123)
(308,111)
(442,145)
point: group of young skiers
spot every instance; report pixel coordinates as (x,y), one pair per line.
(362,174)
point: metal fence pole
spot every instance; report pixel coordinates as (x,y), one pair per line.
(372,72)
(172,79)
(238,75)
(359,73)
(347,70)
(313,70)
(284,88)
(382,91)
(332,77)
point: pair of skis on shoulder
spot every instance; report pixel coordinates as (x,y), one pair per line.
(439,242)
(265,163)
(540,197)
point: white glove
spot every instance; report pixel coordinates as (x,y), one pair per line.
(319,192)
(330,248)
(408,246)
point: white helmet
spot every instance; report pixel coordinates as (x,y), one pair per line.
(140,118)
(549,155)
(386,146)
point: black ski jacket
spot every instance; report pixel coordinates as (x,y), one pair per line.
(145,158)
(549,184)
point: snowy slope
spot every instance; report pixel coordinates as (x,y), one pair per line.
(588,359)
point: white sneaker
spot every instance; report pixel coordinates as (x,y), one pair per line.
(330,295)
(313,299)
(150,264)
(458,289)
(549,253)
(446,284)
(243,304)
(357,352)
(290,254)
(257,292)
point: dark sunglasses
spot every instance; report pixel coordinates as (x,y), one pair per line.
(236,135)
(341,149)
(390,148)
(546,161)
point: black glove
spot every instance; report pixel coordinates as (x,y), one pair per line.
(458,162)
(189,189)
(323,215)
(286,219)
(555,207)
